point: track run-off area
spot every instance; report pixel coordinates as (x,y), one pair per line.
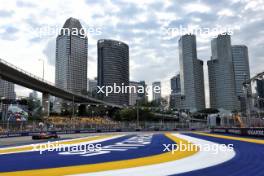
(137,154)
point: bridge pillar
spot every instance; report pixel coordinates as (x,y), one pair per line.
(45,104)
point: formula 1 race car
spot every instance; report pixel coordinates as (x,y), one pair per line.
(44,135)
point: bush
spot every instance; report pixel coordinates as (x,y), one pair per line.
(130,114)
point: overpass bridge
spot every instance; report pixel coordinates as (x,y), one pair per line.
(11,73)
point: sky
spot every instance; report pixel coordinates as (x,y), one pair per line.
(27,34)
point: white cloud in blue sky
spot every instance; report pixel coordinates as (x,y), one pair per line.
(153,55)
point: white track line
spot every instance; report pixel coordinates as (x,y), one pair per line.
(200,160)
(54,142)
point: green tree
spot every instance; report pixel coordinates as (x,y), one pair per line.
(209,111)
(34,108)
(128,114)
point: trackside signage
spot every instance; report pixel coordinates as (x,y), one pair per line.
(258,132)
(240,131)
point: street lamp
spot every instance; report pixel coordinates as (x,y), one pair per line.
(8,124)
(137,100)
(73,106)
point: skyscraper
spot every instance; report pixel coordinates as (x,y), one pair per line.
(175,91)
(156,91)
(7,91)
(241,70)
(134,96)
(176,84)
(92,87)
(221,75)
(71,57)
(144,95)
(139,95)
(113,67)
(33,95)
(191,74)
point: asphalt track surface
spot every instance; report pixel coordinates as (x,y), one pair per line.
(248,160)
(136,154)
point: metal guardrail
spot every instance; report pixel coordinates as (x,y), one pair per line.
(26,72)
(52,84)
(20,127)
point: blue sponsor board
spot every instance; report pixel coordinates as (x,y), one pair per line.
(5,135)
(257,132)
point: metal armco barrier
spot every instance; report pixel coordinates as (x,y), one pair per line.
(6,135)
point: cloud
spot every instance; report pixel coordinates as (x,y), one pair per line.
(50,50)
(25,4)
(255,5)
(225,12)
(197,7)
(9,33)
(6,13)
(89,2)
(153,53)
